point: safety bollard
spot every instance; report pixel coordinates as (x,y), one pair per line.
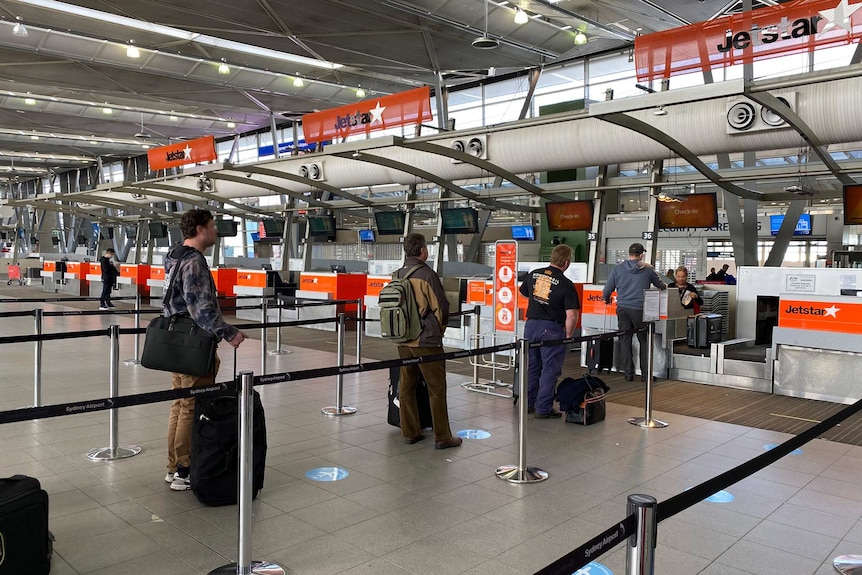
(521,473)
(114,451)
(640,547)
(278,350)
(37,360)
(359,327)
(137,359)
(245,421)
(339,408)
(647,421)
(263,312)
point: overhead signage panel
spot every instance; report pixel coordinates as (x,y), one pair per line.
(789,28)
(182,153)
(403,108)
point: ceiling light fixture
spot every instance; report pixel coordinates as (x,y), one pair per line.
(132,51)
(660,111)
(223,68)
(172,118)
(34,137)
(231,124)
(18,29)
(484,42)
(521,16)
(580,38)
(30,101)
(298,83)
(107,111)
(360,93)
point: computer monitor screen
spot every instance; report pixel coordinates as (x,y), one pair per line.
(158,230)
(132,232)
(389,223)
(366,236)
(321,226)
(803,226)
(227,228)
(267,267)
(570,216)
(273,227)
(523,233)
(338,269)
(694,211)
(460,220)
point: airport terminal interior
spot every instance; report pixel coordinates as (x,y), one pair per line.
(720,136)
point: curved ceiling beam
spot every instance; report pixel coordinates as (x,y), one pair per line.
(309,182)
(641,127)
(433,148)
(205,195)
(442,182)
(784,111)
(272,188)
(120,205)
(53,206)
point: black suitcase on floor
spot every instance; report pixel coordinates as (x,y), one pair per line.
(600,355)
(703,329)
(215,449)
(26,544)
(394,416)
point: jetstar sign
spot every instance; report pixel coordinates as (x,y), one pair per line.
(789,28)
(410,107)
(188,152)
(821,315)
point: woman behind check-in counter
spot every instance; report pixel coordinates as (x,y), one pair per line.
(688,296)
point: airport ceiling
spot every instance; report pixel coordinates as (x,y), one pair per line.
(69,91)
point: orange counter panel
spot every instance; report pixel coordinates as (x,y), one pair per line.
(373,284)
(840,316)
(139,273)
(157,273)
(49,266)
(341,286)
(251,278)
(81,269)
(225,280)
(592,302)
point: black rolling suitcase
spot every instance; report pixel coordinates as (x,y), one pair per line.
(394,415)
(600,355)
(703,329)
(215,449)
(26,545)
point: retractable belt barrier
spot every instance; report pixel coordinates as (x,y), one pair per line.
(55,299)
(17,313)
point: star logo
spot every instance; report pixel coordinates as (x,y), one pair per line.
(833,311)
(839,16)
(314,281)
(377,112)
(187,151)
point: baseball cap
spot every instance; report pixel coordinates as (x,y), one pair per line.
(636,249)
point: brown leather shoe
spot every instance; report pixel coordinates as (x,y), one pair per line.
(447,443)
(412,440)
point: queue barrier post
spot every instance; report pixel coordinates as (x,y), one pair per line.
(339,408)
(521,473)
(137,359)
(263,313)
(647,420)
(114,451)
(640,547)
(37,359)
(359,327)
(245,565)
(278,350)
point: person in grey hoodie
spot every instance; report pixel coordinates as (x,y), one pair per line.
(629,279)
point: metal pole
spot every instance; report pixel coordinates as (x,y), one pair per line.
(263,310)
(114,450)
(37,372)
(245,421)
(476,334)
(339,408)
(521,473)
(640,548)
(278,350)
(137,359)
(359,327)
(647,420)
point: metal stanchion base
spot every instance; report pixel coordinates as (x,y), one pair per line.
(131,362)
(108,454)
(848,564)
(513,474)
(333,410)
(642,422)
(490,388)
(280,352)
(257,567)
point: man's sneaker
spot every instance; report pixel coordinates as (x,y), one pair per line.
(111,305)
(103,308)
(181,480)
(169,477)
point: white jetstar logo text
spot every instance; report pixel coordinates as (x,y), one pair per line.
(372,116)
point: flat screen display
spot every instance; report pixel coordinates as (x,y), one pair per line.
(852,205)
(570,216)
(389,223)
(366,235)
(695,211)
(226,228)
(803,226)
(158,230)
(524,233)
(273,228)
(460,221)
(321,226)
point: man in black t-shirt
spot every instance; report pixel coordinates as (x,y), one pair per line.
(552,313)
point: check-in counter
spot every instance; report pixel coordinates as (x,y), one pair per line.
(225,281)
(75,281)
(816,347)
(156,281)
(346,286)
(373,285)
(50,276)
(133,280)
(251,283)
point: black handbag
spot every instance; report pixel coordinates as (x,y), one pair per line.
(177,344)
(592,409)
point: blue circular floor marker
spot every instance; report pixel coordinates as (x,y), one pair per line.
(721,497)
(473,434)
(771,446)
(327,474)
(593,569)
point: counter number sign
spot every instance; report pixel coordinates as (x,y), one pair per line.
(646,236)
(592,236)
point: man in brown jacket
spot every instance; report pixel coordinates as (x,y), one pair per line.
(434,309)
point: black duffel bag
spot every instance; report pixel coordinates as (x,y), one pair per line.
(178,345)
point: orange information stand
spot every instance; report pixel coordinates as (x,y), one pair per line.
(340,286)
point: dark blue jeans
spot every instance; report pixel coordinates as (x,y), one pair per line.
(627,319)
(546,363)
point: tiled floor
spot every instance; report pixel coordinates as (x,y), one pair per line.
(409,508)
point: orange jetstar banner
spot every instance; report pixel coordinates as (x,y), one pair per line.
(821,315)
(410,107)
(789,28)
(188,152)
(505,285)
(594,304)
